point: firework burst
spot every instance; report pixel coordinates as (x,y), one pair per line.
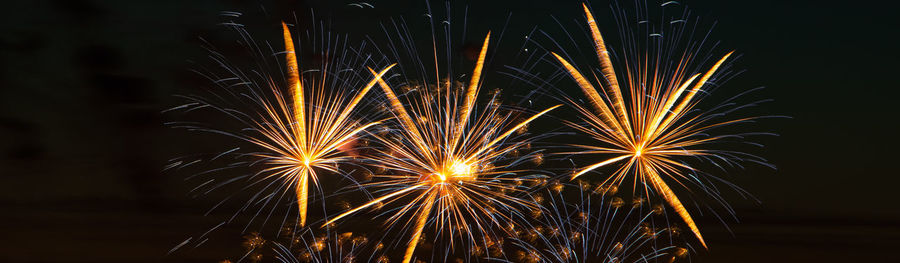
(445,159)
(647,121)
(310,137)
(300,130)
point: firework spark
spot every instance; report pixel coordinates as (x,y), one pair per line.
(447,162)
(299,129)
(311,245)
(592,224)
(310,137)
(655,129)
(295,244)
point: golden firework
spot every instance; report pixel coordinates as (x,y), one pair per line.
(651,131)
(307,133)
(444,158)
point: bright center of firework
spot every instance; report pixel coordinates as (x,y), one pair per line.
(638,152)
(455,171)
(440,177)
(306,162)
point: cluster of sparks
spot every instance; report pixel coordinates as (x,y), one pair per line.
(594,225)
(301,138)
(444,158)
(652,130)
(327,246)
(441,164)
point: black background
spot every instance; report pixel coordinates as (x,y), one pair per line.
(83,142)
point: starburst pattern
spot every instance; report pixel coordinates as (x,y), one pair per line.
(651,133)
(300,130)
(309,137)
(444,157)
(442,163)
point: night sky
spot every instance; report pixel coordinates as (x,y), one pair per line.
(83,84)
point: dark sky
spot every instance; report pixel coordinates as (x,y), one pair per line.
(83,83)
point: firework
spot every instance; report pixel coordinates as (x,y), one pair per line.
(300,130)
(592,224)
(296,244)
(325,246)
(445,158)
(651,133)
(312,135)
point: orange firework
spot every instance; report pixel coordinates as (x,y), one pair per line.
(294,127)
(309,137)
(445,158)
(650,132)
